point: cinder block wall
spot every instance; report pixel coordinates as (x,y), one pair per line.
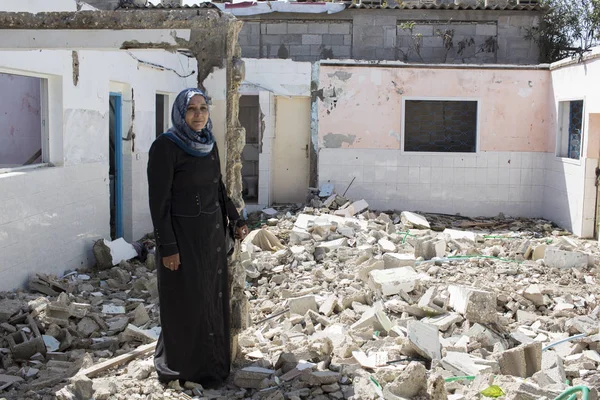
(437,36)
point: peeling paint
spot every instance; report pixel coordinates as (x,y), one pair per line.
(75,56)
(341,75)
(395,135)
(336,140)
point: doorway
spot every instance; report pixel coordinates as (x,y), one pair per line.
(115,170)
(249,117)
(292,137)
(162,113)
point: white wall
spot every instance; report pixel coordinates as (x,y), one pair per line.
(570,192)
(268,78)
(35,6)
(49,217)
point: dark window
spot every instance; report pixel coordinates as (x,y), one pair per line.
(440,126)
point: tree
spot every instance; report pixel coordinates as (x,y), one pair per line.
(568,29)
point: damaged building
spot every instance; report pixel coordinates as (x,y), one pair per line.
(90,90)
(337,121)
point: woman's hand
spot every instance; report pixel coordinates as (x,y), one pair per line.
(241,232)
(172,262)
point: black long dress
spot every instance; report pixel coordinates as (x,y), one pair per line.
(189,208)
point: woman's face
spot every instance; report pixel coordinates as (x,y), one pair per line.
(196,115)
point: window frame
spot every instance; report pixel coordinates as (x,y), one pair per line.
(44,120)
(558,136)
(440,153)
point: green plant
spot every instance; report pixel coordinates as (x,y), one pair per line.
(567,29)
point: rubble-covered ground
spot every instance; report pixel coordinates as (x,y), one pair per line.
(345,303)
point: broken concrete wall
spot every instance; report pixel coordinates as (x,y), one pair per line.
(430,36)
(570,190)
(505,173)
(271,79)
(56,213)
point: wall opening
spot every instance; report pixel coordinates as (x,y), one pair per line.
(115,171)
(162,113)
(250,119)
(570,129)
(441,126)
(23,120)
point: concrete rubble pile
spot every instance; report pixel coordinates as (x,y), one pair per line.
(345,303)
(399,306)
(62,326)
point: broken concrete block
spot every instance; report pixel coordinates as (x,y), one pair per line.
(428,248)
(534,294)
(389,282)
(425,339)
(410,383)
(8,308)
(556,258)
(140,315)
(363,273)
(522,361)
(444,322)
(459,235)
(426,302)
(333,244)
(395,260)
(27,341)
(582,324)
(132,332)
(109,253)
(318,378)
(87,326)
(476,305)
(436,388)
(82,387)
(553,367)
(301,305)
(328,306)
(466,364)
(526,316)
(251,377)
(386,246)
(412,220)
(355,208)
(374,318)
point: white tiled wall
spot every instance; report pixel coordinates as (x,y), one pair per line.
(570,193)
(49,219)
(483,184)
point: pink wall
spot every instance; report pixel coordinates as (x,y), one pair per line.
(361,106)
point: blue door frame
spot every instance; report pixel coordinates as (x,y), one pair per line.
(118,139)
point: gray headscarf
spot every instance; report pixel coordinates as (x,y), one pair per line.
(198,144)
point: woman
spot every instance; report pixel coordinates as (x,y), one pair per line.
(189,208)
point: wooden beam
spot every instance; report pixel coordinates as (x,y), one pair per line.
(97,369)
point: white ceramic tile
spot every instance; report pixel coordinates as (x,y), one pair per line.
(527,160)
(514,176)
(492,176)
(482,160)
(493,160)
(413,174)
(402,175)
(425,175)
(515,160)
